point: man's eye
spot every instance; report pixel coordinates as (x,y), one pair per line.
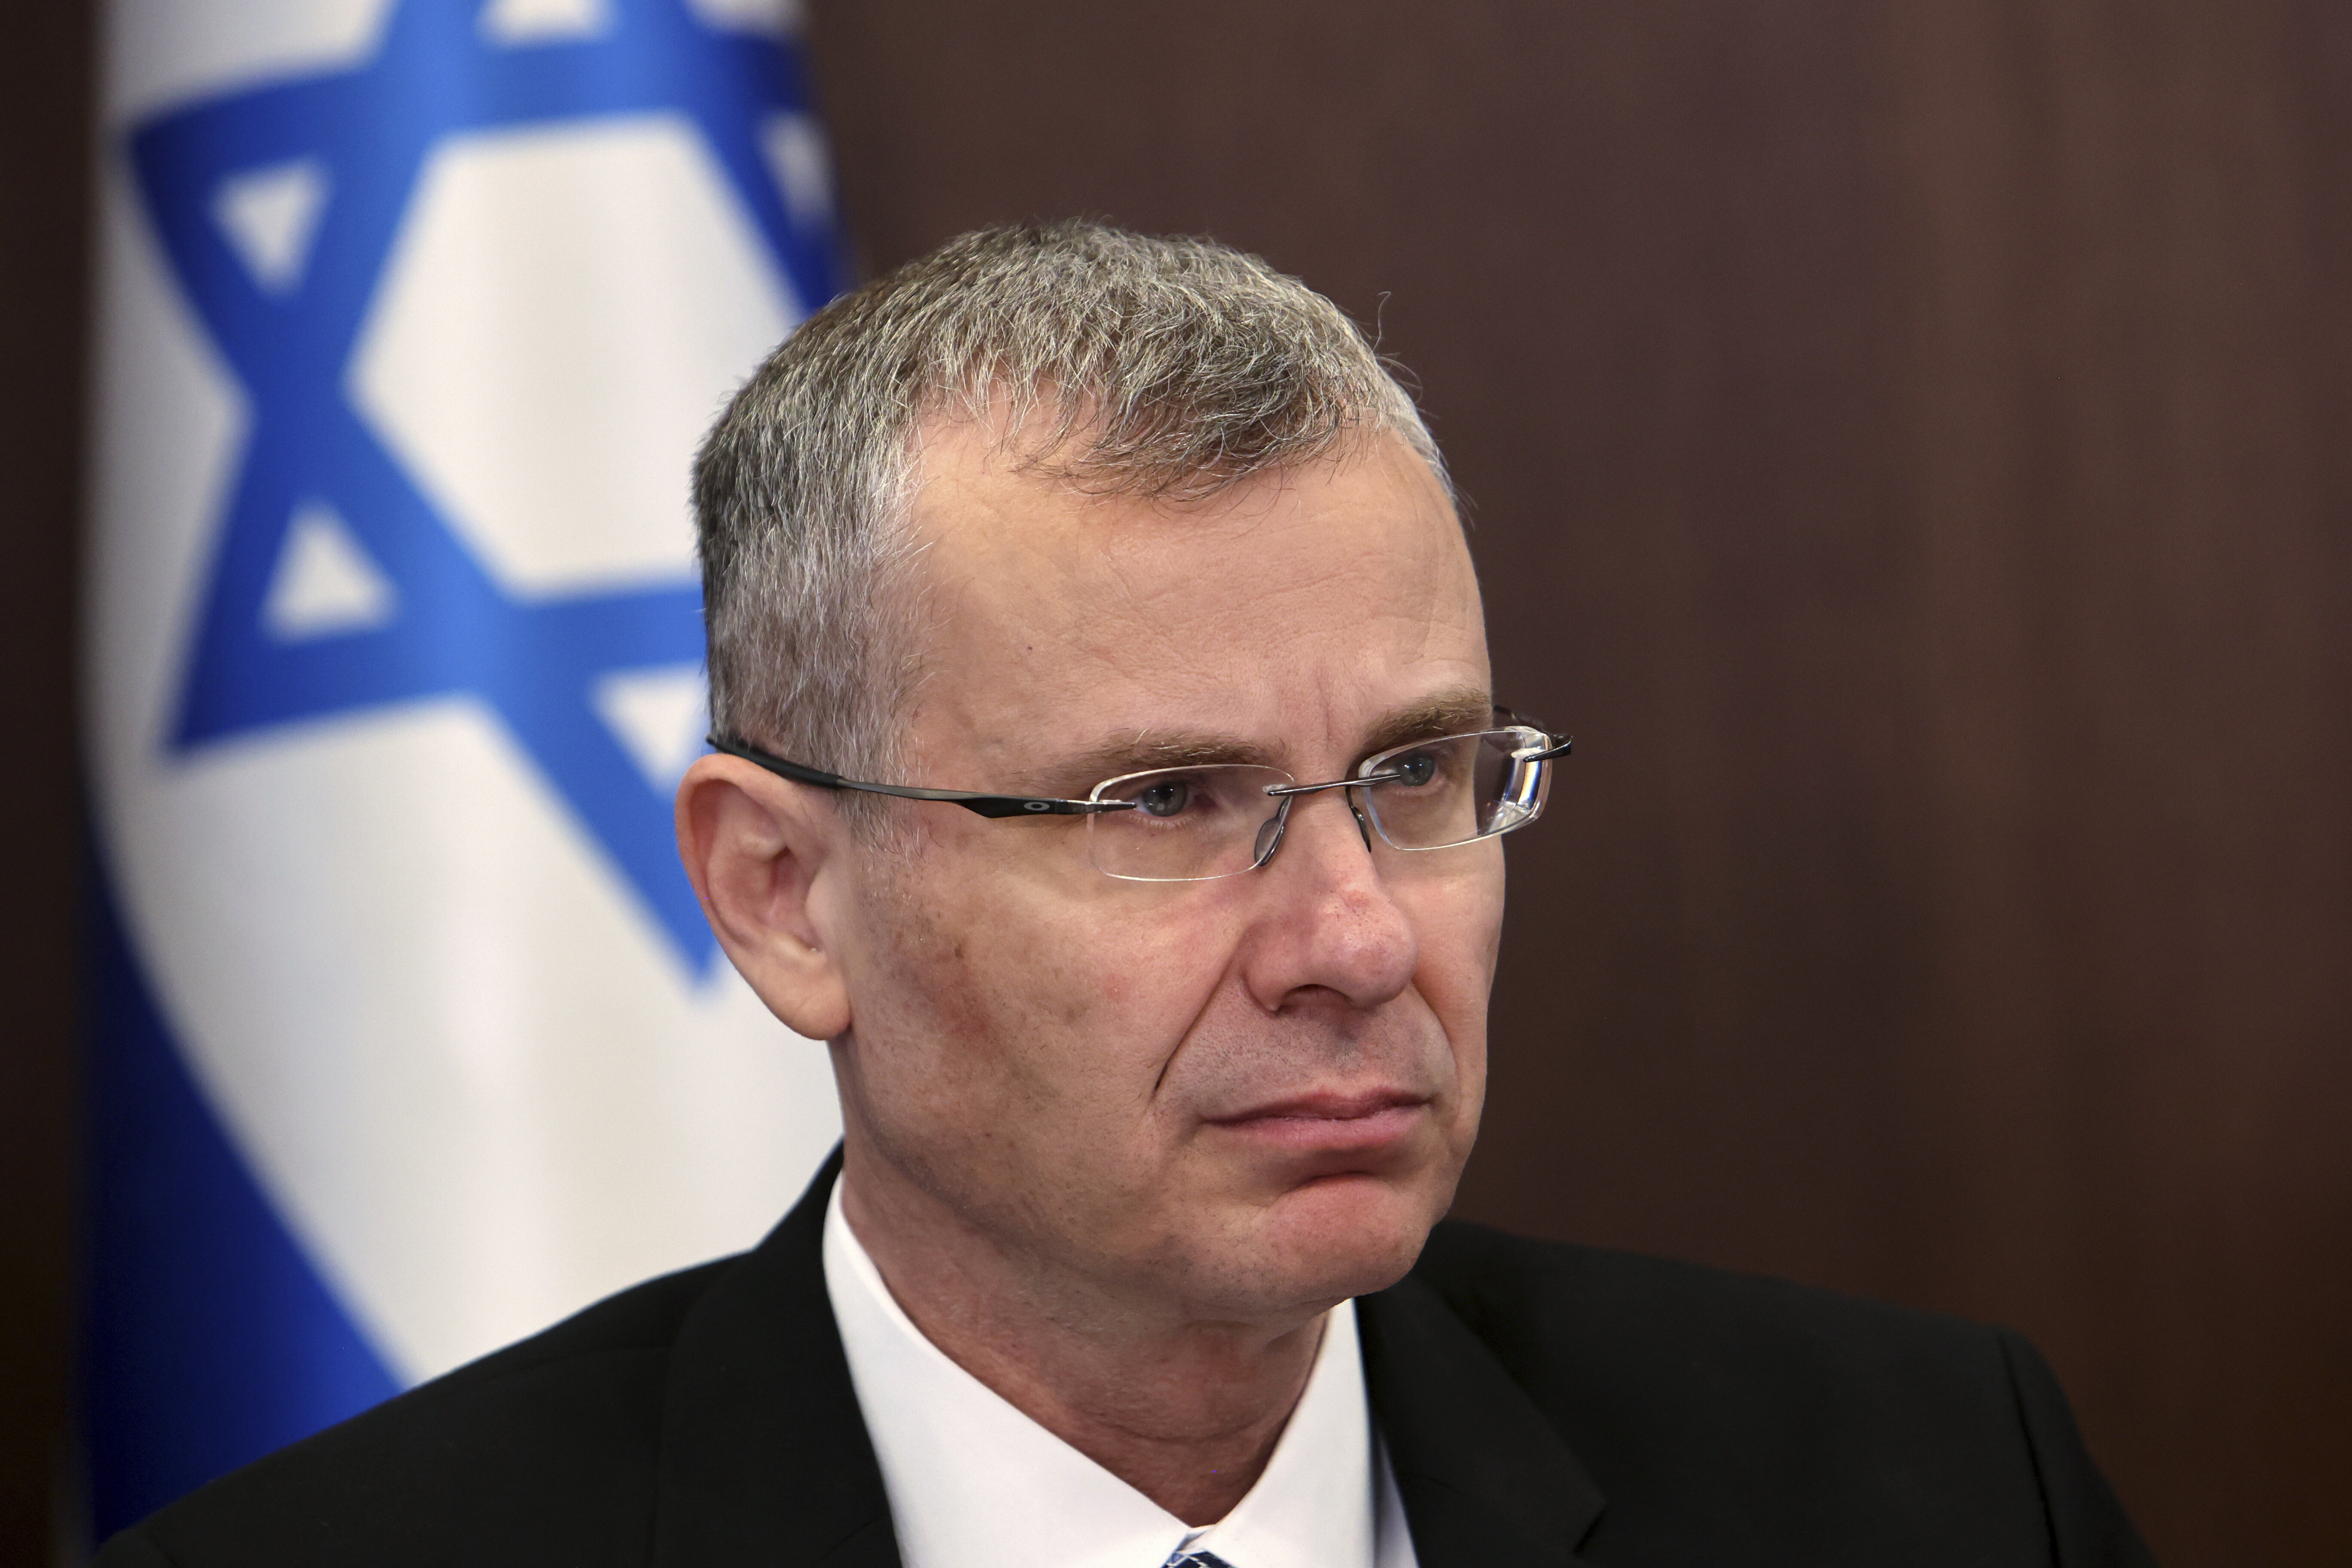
(1164,799)
(1417,769)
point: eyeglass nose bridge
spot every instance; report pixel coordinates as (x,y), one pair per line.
(1333,783)
(1270,832)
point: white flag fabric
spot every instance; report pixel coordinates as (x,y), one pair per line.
(409,1036)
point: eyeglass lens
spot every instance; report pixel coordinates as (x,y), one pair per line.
(1217,820)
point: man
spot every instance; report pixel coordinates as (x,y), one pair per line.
(1107,767)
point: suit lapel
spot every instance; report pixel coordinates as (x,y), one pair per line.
(764,1461)
(1484,1478)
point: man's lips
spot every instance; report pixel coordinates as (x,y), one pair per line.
(1307,1122)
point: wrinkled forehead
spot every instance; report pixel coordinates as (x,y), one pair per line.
(1303,601)
(993,505)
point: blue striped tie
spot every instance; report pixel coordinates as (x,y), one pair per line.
(1197,1560)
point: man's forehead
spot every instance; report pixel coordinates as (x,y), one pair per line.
(979,513)
(1309,609)
(1081,591)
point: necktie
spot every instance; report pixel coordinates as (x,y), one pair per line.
(1197,1560)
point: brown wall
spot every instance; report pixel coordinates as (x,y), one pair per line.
(1909,444)
(44,87)
(1913,452)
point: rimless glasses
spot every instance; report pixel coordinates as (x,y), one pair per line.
(1220,819)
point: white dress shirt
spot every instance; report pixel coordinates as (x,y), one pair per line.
(974,1483)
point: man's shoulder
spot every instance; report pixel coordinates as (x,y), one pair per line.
(557,1432)
(1589,1329)
(1709,1404)
(1527,1297)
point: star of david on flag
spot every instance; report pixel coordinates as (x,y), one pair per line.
(314,177)
(409,1033)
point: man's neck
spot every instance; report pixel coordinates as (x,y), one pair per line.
(1186,1412)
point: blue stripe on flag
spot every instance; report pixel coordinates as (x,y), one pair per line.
(208,1339)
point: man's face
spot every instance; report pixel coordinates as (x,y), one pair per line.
(1236,1098)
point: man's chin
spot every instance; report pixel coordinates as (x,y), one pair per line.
(1345,1234)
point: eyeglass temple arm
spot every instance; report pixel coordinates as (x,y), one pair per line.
(1561,744)
(984,804)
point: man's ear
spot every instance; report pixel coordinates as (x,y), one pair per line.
(762,853)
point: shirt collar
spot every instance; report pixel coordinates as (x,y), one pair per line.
(975,1483)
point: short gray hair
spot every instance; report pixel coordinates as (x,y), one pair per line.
(1170,368)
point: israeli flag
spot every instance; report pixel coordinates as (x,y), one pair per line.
(410,1039)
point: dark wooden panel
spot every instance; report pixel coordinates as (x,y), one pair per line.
(2127,363)
(44,110)
(1908,444)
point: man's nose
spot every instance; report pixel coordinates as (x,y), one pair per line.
(1329,920)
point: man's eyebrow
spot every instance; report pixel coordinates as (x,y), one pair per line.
(1461,711)
(1457,712)
(1142,752)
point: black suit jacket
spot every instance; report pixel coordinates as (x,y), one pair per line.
(1543,1406)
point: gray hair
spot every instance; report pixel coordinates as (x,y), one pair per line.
(1165,368)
